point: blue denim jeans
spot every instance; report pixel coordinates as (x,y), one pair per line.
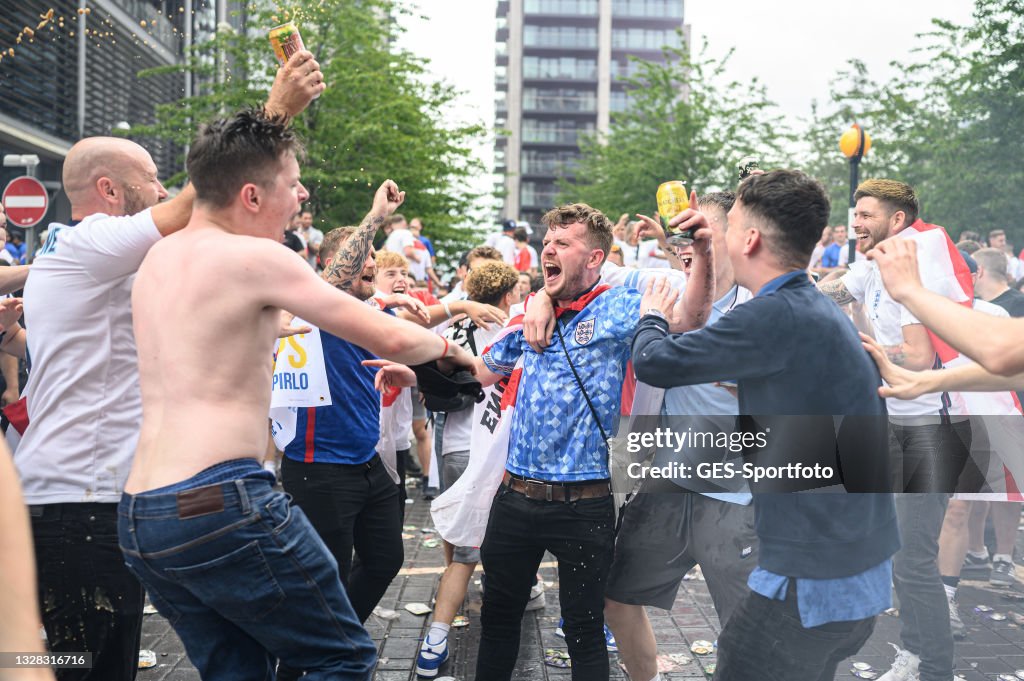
(243,578)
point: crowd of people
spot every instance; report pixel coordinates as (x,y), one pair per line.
(156,405)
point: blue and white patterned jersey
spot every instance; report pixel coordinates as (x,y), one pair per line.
(554,436)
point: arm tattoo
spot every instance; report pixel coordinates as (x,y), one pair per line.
(836,290)
(896,354)
(348,263)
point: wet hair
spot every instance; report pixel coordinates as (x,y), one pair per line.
(231,152)
(599,227)
(893,194)
(490,282)
(792,207)
(386,259)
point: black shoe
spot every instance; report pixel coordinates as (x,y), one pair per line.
(430,493)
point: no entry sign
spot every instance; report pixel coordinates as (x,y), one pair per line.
(25,201)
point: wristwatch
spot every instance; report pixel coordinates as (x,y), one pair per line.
(655,312)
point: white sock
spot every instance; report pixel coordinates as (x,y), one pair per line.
(438,632)
(1002,558)
(950,591)
(982,555)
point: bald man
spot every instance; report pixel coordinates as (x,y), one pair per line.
(84,404)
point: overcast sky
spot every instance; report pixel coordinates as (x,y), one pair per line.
(793,46)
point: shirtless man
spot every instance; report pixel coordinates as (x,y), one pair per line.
(240,574)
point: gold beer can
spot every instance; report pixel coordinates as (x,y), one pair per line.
(286,41)
(673,199)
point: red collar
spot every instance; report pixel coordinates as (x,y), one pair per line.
(581,302)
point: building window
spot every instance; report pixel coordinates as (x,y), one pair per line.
(568,37)
(559,99)
(565,68)
(644,39)
(668,9)
(566,7)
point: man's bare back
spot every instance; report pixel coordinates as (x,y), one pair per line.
(206,306)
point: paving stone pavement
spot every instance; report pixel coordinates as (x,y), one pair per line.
(991,648)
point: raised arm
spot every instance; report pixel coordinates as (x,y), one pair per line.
(993,342)
(297,83)
(700,288)
(288,283)
(347,265)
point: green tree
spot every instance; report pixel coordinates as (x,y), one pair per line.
(380,117)
(685,122)
(952,125)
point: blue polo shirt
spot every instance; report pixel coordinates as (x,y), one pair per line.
(554,436)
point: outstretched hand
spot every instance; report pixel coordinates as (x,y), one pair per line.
(391,374)
(387,199)
(297,83)
(10,312)
(659,295)
(903,384)
(484,315)
(287,329)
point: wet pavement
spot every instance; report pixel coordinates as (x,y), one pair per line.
(993,646)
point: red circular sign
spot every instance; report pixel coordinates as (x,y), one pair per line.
(25,201)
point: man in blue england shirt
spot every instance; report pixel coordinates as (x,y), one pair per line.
(555,495)
(824,569)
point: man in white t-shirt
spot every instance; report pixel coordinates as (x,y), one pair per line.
(504,242)
(929,446)
(404,242)
(84,403)
(311,236)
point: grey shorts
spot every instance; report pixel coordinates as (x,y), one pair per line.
(663,535)
(419,412)
(453,466)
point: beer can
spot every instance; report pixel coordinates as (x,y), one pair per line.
(672,200)
(286,41)
(747,166)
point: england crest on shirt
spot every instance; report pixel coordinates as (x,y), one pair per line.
(584,332)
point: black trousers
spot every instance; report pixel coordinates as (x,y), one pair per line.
(89,600)
(581,535)
(764,639)
(353,508)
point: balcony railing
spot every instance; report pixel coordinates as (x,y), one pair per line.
(560,104)
(550,135)
(564,7)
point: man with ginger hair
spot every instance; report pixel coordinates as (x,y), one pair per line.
(555,494)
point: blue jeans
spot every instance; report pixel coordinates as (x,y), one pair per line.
(243,578)
(924,612)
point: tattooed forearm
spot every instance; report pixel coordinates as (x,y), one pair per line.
(347,265)
(896,354)
(836,290)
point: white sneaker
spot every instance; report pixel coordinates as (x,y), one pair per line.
(956,624)
(537,600)
(904,667)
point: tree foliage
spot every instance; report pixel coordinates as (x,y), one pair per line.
(380,117)
(952,125)
(685,122)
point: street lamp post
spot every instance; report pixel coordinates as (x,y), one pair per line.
(855,144)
